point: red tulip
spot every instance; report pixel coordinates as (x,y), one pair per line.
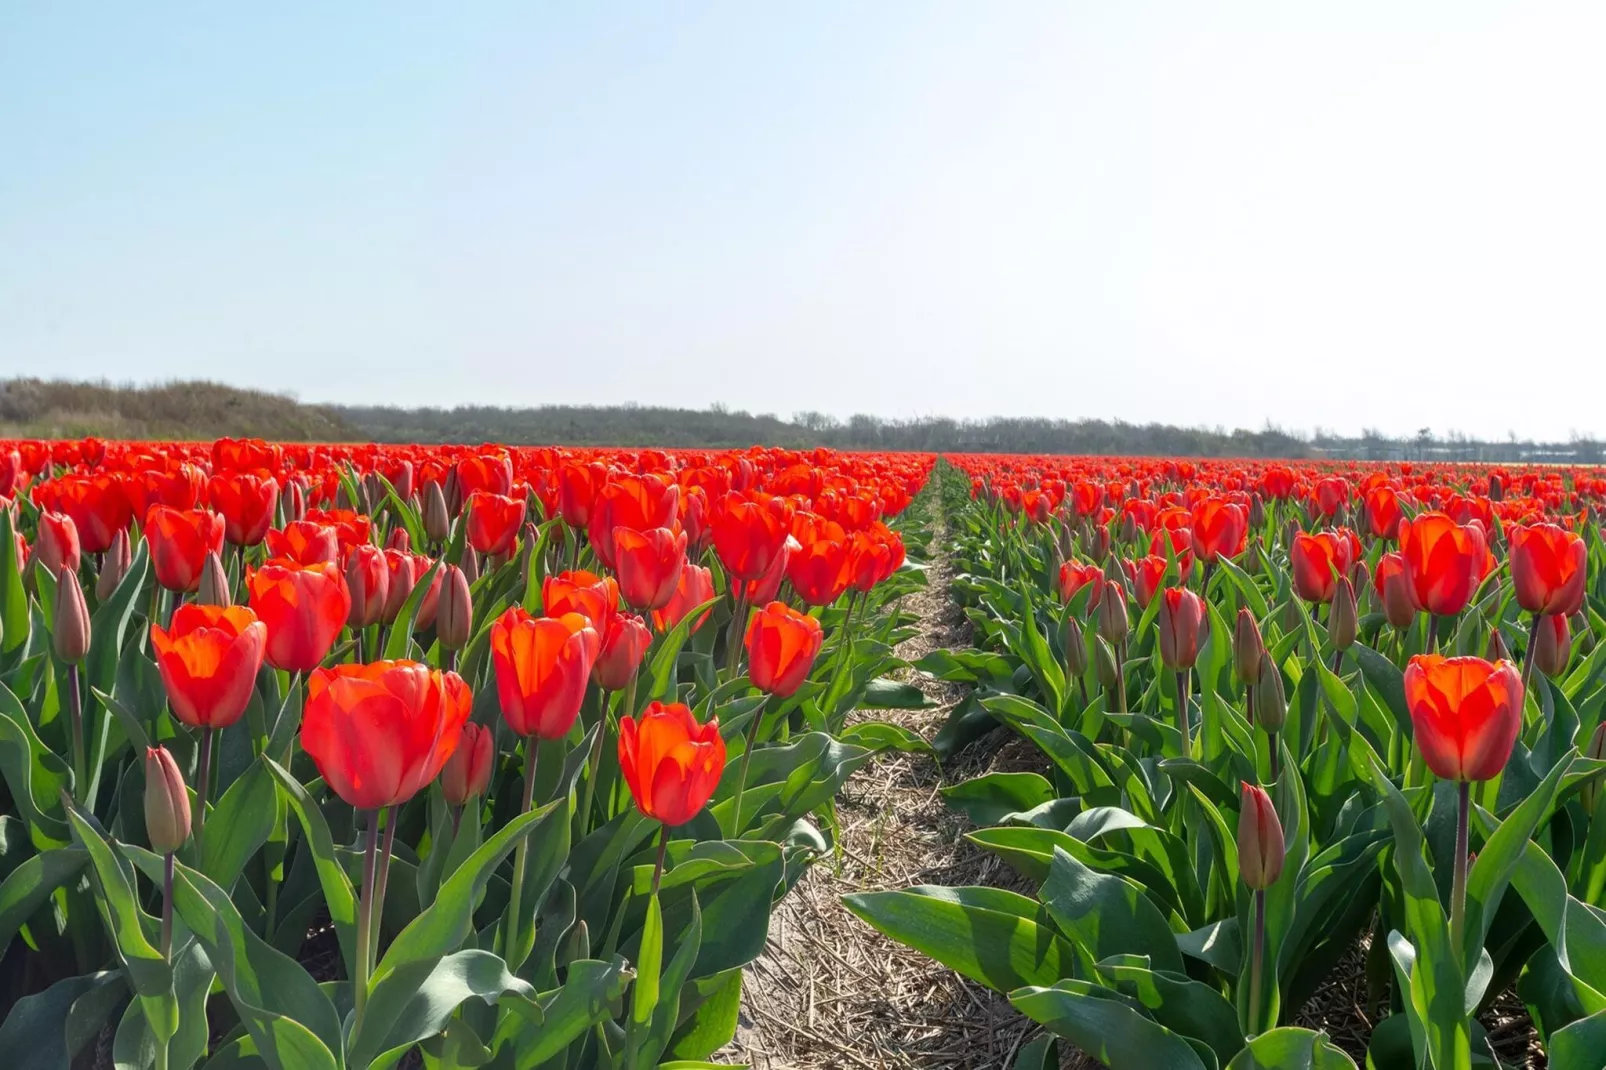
(578,485)
(542,665)
(781,647)
(1465,712)
(468,771)
(670,763)
(179,542)
(379,733)
(1549,566)
(638,502)
(768,586)
(1444,560)
(246,500)
(592,596)
(1318,560)
(649,564)
(696,587)
(304,608)
(1219,527)
(877,553)
(1394,589)
(98,505)
(209,659)
(306,541)
(624,645)
(748,534)
(1075,576)
(1181,617)
(1384,512)
(493,521)
(368,581)
(1146,574)
(1180,542)
(56,546)
(820,570)
(1332,494)
(490,473)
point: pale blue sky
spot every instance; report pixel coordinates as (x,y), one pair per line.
(1388,214)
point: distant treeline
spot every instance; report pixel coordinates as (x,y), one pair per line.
(37,408)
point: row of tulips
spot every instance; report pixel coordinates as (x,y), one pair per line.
(1284,736)
(340,756)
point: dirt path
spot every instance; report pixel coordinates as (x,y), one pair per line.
(832,992)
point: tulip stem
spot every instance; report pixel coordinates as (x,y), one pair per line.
(1182,708)
(202,783)
(1249,703)
(383,877)
(1458,890)
(741,775)
(1528,655)
(365,916)
(733,639)
(167,907)
(80,758)
(520,857)
(658,866)
(1257,962)
(1276,756)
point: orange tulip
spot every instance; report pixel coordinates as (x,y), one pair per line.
(1318,560)
(179,540)
(748,535)
(1219,527)
(781,647)
(819,570)
(592,596)
(306,541)
(379,733)
(246,500)
(1444,560)
(542,665)
(468,771)
(1549,566)
(1394,589)
(696,587)
(670,763)
(493,521)
(209,659)
(625,640)
(649,564)
(1466,714)
(304,608)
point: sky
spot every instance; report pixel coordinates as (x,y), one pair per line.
(1343,216)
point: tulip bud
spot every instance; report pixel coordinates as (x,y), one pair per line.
(471,566)
(1075,648)
(454,619)
(294,500)
(373,490)
(1584,635)
(1590,794)
(167,802)
(214,587)
(368,580)
(1112,614)
(1293,615)
(527,545)
(1342,620)
(452,493)
(1129,528)
(1399,601)
(1257,511)
(437,522)
(399,539)
(468,771)
(71,633)
(113,566)
(1260,840)
(1181,613)
(1553,645)
(1104,659)
(1247,648)
(624,645)
(1271,708)
(1497,649)
(1101,544)
(1290,529)
(1251,559)
(1497,488)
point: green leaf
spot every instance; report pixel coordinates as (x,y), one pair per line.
(135,1044)
(1579,1046)
(712,1023)
(1183,1005)
(453,981)
(1491,870)
(994,937)
(240,824)
(539,1029)
(1109,1027)
(877,736)
(661,671)
(1247,588)
(338,895)
(36,776)
(132,930)
(990,798)
(884,693)
(1106,915)
(1290,1048)
(1387,681)
(13,596)
(32,1036)
(649,962)
(28,886)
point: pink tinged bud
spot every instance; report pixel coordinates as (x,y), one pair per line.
(1343,621)
(1075,648)
(1247,648)
(214,587)
(468,771)
(437,521)
(114,566)
(1113,622)
(454,620)
(624,645)
(399,539)
(368,579)
(167,802)
(1497,649)
(1260,840)
(1271,703)
(71,634)
(1553,645)
(1181,612)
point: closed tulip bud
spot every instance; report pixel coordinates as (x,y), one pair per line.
(1590,794)
(214,586)
(1343,622)
(625,639)
(454,620)
(1247,648)
(373,490)
(114,566)
(1112,614)
(294,500)
(57,547)
(1252,555)
(1257,511)
(1585,641)
(1497,489)
(452,493)
(368,579)
(468,771)
(1293,615)
(1129,528)
(167,802)
(1553,646)
(1075,648)
(1181,613)
(1260,840)
(471,567)
(1290,529)
(1271,707)
(1101,544)
(71,633)
(577,945)
(1104,660)
(1497,649)
(398,539)
(437,521)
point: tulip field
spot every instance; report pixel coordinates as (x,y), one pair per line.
(361,756)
